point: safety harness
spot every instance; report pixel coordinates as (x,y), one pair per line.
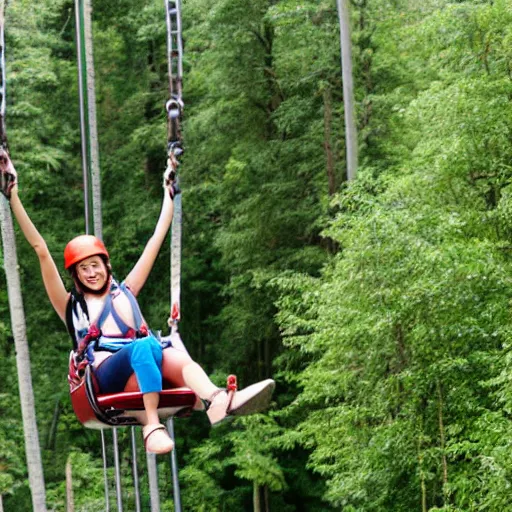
(88,337)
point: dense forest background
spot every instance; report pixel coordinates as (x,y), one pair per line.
(380,306)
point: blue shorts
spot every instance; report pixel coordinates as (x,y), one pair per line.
(143,357)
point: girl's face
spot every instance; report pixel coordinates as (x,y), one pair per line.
(92,273)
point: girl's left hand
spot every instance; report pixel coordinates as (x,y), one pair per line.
(170,176)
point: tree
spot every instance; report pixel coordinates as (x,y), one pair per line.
(32,447)
(348,88)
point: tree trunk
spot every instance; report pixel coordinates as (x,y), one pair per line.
(70,503)
(268,359)
(1,504)
(52,434)
(256,499)
(32,449)
(348,89)
(422,472)
(443,443)
(331,176)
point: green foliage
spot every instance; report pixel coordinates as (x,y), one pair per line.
(381,307)
(88,490)
(404,334)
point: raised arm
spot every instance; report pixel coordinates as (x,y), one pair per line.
(140,272)
(52,281)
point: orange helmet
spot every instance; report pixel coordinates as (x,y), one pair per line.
(82,247)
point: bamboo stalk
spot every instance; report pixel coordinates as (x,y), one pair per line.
(442,440)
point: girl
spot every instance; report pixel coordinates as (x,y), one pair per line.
(108,329)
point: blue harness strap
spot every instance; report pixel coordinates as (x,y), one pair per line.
(114,344)
(137,315)
(109,308)
(123,327)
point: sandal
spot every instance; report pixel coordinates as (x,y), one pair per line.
(156,439)
(230,402)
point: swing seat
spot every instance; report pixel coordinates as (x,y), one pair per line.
(123,409)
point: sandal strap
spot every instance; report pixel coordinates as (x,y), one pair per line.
(208,402)
(151,430)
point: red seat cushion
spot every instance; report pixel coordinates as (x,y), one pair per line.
(180,397)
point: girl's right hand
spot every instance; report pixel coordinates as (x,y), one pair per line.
(170,176)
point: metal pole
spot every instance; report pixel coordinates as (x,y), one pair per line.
(105,477)
(179,43)
(135,471)
(174,468)
(153,482)
(83,126)
(348,88)
(118,472)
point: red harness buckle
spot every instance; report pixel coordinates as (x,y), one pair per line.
(231,383)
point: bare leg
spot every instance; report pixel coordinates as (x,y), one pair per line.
(151,405)
(155,435)
(180,370)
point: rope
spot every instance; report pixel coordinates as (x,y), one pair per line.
(88,128)
(94,151)
(83,123)
(174,109)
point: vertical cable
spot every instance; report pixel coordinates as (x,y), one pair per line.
(153,482)
(174,468)
(135,471)
(119,495)
(174,146)
(94,153)
(83,125)
(174,113)
(105,476)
